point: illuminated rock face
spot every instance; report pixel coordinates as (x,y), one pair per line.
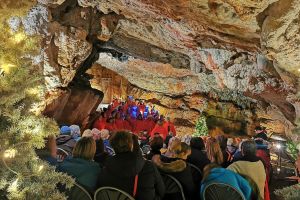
(239,59)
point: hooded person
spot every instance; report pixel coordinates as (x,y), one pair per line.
(127,171)
(75,132)
(173,163)
(198,155)
(213,173)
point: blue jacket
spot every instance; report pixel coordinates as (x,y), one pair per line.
(85,172)
(221,175)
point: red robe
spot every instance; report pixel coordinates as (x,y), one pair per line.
(111,126)
(127,126)
(172,127)
(149,125)
(163,132)
(99,124)
(119,124)
(139,126)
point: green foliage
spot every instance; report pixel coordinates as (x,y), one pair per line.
(201,127)
(22,128)
(292,149)
(289,193)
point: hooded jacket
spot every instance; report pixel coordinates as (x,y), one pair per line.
(221,175)
(84,171)
(252,168)
(120,170)
(180,170)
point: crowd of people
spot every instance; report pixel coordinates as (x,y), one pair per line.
(112,154)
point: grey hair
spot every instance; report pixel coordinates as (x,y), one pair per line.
(248,148)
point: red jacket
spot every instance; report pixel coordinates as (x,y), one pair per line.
(163,132)
(172,127)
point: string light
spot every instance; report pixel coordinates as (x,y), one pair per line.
(19,37)
(14,186)
(41,167)
(10,153)
(6,67)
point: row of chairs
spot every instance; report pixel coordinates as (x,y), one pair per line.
(215,191)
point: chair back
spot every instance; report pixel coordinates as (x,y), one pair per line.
(197,176)
(174,189)
(221,191)
(111,193)
(61,154)
(77,192)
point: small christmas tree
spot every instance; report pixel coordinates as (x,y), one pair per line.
(22,127)
(201,127)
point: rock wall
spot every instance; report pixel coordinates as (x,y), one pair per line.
(74,105)
(238,58)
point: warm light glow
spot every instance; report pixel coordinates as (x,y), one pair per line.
(278,169)
(14,186)
(278,146)
(10,153)
(298,70)
(41,167)
(6,67)
(19,37)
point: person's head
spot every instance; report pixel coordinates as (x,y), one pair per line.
(222,141)
(65,130)
(110,120)
(104,134)
(135,143)
(157,143)
(96,134)
(118,115)
(174,147)
(248,148)
(168,119)
(85,148)
(214,152)
(185,151)
(121,142)
(87,133)
(75,131)
(197,143)
(162,117)
(160,122)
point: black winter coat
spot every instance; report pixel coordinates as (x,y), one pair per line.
(119,171)
(198,158)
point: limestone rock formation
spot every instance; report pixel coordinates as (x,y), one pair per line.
(236,61)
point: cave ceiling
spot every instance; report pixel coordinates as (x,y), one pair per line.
(239,52)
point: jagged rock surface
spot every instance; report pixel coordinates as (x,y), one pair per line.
(241,55)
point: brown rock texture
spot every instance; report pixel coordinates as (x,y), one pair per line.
(74,105)
(234,60)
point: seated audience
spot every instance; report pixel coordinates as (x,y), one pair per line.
(227,157)
(81,166)
(156,143)
(198,155)
(250,166)
(126,169)
(214,152)
(100,155)
(48,153)
(172,163)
